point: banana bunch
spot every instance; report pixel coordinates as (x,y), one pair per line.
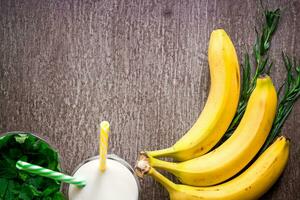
(235,153)
(250,184)
(204,173)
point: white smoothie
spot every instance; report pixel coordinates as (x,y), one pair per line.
(116,183)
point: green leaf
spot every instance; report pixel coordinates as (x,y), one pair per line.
(7,169)
(23,175)
(291,87)
(14,153)
(35,191)
(4,140)
(20,138)
(26,194)
(36,181)
(58,196)
(47,198)
(3,187)
(50,190)
(10,193)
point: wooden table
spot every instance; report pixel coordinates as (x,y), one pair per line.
(142,65)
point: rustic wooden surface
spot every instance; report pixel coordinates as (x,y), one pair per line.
(142,65)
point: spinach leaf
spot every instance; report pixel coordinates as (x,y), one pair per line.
(16,184)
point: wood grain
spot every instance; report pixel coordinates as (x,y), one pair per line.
(141,64)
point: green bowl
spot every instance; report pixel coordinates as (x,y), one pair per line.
(17,184)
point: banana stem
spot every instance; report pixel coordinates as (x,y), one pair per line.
(169,185)
(161,164)
(161,153)
(143,167)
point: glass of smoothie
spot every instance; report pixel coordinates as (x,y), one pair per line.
(117,182)
(17,184)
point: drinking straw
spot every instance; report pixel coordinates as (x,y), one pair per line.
(41,171)
(103,144)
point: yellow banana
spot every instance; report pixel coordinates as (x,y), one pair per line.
(235,153)
(221,104)
(249,185)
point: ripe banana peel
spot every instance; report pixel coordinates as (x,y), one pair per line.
(249,185)
(221,104)
(235,153)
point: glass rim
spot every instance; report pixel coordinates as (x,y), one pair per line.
(111,157)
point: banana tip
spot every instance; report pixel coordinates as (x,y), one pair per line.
(218,31)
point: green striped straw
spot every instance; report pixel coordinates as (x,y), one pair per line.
(35,169)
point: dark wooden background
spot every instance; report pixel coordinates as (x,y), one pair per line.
(142,65)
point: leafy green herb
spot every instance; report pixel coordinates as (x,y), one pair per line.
(291,85)
(16,184)
(260,53)
(3,187)
(291,92)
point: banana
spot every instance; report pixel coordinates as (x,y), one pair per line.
(250,185)
(235,153)
(221,104)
